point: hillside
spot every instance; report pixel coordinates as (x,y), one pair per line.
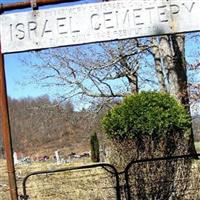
(40,126)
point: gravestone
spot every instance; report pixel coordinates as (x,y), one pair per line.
(16,161)
(58,161)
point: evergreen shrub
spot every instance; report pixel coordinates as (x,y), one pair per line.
(146,113)
(94,143)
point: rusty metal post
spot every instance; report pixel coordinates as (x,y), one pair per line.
(6,132)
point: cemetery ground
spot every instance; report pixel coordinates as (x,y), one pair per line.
(90,184)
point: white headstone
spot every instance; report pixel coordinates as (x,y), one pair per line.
(16,161)
(58,161)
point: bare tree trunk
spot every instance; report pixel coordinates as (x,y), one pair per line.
(178,42)
(167,56)
(131,75)
(158,65)
(133,82)
(172,49)
(173,53)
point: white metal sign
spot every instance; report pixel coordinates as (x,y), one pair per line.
(97,22)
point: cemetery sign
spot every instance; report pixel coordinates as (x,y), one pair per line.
(79,24)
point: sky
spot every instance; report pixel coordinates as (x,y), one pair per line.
(15,72)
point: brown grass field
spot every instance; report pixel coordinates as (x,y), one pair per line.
(93,184)
(88,184)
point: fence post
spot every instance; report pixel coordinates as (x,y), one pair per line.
(6,132)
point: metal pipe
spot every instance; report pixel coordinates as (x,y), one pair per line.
(103,165)
(7,141)
(145,160)
(131,164)
(27,4)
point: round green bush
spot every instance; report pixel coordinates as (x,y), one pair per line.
(146,113)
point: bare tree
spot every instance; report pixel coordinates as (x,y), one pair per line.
(106,70)
(171,68)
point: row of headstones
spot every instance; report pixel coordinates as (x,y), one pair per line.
(57,157)
(18,161)
(71,157)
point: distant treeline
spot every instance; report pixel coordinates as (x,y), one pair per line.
(39,123)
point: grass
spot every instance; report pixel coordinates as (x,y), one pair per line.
(94,184)
(3,181)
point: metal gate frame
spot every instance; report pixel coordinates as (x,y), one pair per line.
(112,171)
(7,140)
(133,162)
(104,166)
